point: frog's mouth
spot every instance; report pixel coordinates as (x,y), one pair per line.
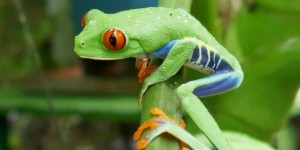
(100,58)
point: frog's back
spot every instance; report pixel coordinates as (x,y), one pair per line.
(166,25)
(159,19)
(163,24)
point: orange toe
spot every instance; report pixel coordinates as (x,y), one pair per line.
(142,144)
(160,114)
(152,124)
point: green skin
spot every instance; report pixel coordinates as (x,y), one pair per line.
(147,30)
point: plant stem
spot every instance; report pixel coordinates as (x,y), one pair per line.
(184,4)
(206,12)
(164,96)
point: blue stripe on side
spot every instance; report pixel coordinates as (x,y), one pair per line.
(195,55)
(215,63)
(211,61)
(204,57)
(216,60)
(163,51)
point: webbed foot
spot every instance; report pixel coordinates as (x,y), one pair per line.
(161,119)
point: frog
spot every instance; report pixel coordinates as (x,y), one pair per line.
(179,39)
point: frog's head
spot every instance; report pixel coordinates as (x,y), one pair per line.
(104,38)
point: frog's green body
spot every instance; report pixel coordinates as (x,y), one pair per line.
(179,39)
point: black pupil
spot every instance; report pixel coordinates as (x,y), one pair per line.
(112,39)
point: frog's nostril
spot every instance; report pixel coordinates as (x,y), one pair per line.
(79,42)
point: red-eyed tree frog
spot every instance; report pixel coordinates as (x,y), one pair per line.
(180,40)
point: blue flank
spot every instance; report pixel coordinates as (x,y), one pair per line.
(212,63)
(163,51)
(195,55)
(205,53)
(216,60)
(204,57)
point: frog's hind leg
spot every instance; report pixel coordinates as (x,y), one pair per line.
(167,126)
(162,123)
(216,83)
(211,85)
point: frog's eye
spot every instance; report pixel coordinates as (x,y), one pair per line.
(83,20)
(114,39)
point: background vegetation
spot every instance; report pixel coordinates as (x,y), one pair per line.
(51,99)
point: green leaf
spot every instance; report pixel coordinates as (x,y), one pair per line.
(287,6)
(268,45)
(239,141)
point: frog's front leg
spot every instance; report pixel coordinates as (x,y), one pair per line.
(177,52)
(144,68)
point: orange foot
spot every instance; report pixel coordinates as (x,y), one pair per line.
(153,124)
(144,69)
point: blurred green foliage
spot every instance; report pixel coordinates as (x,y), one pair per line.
(267,43)
(15,61)
(286,6)
(264,35)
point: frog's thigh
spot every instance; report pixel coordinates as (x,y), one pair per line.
(211,85)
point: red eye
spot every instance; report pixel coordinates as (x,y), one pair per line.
(83,19)
(114,39)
